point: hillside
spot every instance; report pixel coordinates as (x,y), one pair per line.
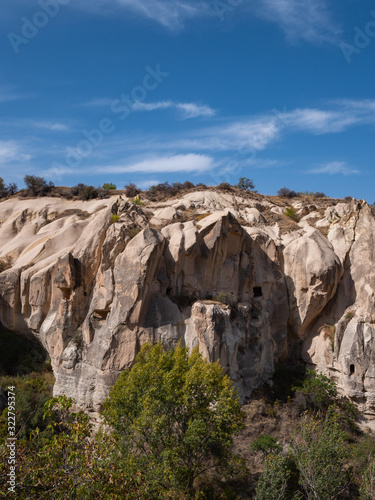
(226,271)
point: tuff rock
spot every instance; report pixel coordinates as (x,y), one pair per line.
(226,273)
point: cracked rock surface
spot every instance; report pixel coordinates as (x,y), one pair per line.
(229,274)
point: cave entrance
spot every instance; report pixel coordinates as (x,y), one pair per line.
(257,290)
(352,369)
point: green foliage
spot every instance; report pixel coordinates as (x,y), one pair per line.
(349,315)
(291,213)
(266,444)
(69,463)
(367,488)
(32,391)
(276,481)
(109,185)
(320,455)
(114,218)
(246,184)
(174,416)
(318,391)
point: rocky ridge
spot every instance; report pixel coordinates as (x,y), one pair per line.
(226,272)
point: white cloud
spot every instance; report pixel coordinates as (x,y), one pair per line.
(335,167)
(188,109)
(176,163)
(308,20)
(10,151)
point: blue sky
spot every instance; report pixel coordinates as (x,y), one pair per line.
(147,91)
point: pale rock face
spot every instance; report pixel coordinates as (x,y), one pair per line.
(92,292)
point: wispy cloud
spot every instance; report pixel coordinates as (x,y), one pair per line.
(176,163)
(54,126)
(11,151)
(8,94)
(308,20)
(334,168)
(168,13)
(187,109)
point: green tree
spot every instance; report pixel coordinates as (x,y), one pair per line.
(174,416)
(246,184)
(319,453)
(318,391)
(266,444)
(276,479)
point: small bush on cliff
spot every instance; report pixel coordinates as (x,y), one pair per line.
(109,185)
(174,416)
(291,213)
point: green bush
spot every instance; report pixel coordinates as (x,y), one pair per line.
(318,391)
(276,481)
(266,444)
(291,213)
(320,454)
(174,416)
(109,185)
(114,218)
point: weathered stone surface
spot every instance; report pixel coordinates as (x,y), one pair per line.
(93,291)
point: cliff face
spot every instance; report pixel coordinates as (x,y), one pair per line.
(92,291)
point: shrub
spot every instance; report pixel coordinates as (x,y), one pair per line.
(275,483)
(85,192)
(320,455)
(188,185)
(7,190)
(225,186)
(286,193)
(246,184)
(226,298)
(137,201)
(318,194)
(131,190)
(266,444)
(133,232)
(109,185)
(114,218)
(318,390)
(291,213)
(175,416)
(37,186)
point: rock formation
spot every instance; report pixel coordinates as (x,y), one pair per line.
(227,273)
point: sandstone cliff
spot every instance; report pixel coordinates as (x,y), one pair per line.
(92,289)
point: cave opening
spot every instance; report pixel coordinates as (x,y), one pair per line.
(352,369)
(257,290)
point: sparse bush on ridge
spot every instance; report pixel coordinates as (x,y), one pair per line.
(109,185)
(131,190)
(246,184)
(37,186)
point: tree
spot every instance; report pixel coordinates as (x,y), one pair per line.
(175,416)
(286,193)
(109,185)
(320,455)
(131,190)
(277,476)
(318,392)
(37,186)
(246,184)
